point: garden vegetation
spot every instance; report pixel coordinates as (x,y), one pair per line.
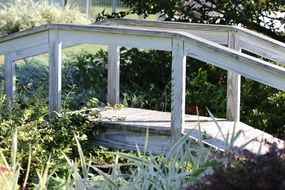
(39,152)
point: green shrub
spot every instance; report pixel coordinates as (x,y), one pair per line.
(25,15)
(49,137)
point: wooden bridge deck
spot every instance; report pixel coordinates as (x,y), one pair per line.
(126,128)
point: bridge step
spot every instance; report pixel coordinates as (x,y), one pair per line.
(126,128)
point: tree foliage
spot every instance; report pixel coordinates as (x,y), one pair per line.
(250,13)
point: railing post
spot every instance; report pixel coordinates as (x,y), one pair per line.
(55,47)
(113,75)
(10,77)
(233,84)
(178,89)
(114,6)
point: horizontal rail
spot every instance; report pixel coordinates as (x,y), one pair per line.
(215,33)
(250,41)
(52,38)
(229,59)
(197,47)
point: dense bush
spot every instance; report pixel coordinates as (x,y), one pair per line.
(247,171)
(15,17)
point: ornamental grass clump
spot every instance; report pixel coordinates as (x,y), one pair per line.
(20,16)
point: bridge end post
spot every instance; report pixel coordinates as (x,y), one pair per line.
(113,96)
(55,47)
(178,90)
(10,76)
(233,84)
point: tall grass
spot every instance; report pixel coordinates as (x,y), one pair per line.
(185,162)
(15,17)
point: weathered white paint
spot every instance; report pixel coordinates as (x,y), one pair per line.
(10,77)
(23,42)
(215,33)
(178,89)
(233,85)
(113,75)
(251,41)
(225,58)
(130,131)
(30,52)
(123,39)
(261,45)
(55,46)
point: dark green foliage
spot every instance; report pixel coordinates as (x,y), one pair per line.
(85,78)
(247,12)
(263,107)
(247,171)
(146,82)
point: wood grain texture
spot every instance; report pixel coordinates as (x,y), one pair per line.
(113,75)
(178,86)
(232,60)
(55,47)
(233,84)
(207,31)
(261,45)
(126,39)
(10,76)
(265,47)
(131,125)
(23,42)
(30,52)
(251,41)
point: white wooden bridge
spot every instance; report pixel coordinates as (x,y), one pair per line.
(214,44)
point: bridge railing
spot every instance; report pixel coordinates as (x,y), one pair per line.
(217,45)
(235,37)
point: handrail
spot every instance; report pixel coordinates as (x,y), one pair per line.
(249,40)
(51,38)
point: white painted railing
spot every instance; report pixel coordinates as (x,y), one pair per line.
(217,45)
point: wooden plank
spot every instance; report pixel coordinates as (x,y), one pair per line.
(249,40)
(233,85)
(29,32)
(131,130)
(30,52)
(167,25)
(24,42)
(10,76)
(209,32)
(55,47)
(118,39)
(132,140)
(235,61)
(178,89)
(261,45)
(113,75)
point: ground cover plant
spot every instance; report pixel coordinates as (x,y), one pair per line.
(38,152)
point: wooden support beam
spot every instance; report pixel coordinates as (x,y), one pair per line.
(113,75)
(178,89)
(10,77)
(55,47)
(233,84)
